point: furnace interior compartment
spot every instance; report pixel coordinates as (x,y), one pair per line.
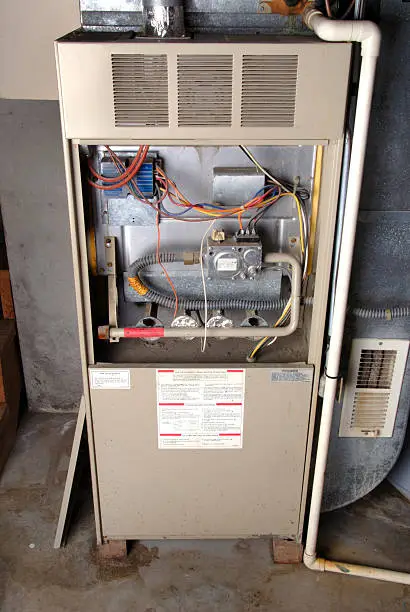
(192,216)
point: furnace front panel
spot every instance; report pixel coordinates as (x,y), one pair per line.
(152,492)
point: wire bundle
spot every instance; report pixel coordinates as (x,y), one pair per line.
(125,174)
(268,195)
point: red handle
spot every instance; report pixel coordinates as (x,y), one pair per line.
(143,332)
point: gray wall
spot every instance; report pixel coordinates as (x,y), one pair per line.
(34,208)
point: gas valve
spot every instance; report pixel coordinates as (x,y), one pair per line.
(237,257)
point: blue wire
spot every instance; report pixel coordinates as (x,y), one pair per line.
(162,207)
(201,204)
(267,187)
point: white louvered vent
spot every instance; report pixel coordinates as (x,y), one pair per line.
(140,87)
(269,90)
(373,385)
(204,90)
(376,369)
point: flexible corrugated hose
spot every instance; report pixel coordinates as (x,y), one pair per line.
(397,312)
(168,301)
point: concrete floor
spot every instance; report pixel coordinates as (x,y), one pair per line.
(234,576)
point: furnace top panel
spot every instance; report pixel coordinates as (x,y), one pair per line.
(210,92)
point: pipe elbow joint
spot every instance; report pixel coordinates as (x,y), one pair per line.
(309,13)
(366,33)
(370,38)
(313,562)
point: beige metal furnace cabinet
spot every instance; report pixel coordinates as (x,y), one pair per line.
(187,443)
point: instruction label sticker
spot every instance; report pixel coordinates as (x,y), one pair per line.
(200,409)
(291,375)
(110,379)
(227,264)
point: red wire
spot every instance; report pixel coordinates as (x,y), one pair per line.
(122,174)
(143,150)
(126,176)
(166,183)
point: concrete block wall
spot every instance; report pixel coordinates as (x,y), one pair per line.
(34,207)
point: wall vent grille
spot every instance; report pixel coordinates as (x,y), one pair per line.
(370,410)
(269,90)
(204,90)
(373,385)
(140,87)
(376,369)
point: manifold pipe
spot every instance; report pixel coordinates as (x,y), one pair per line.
(229,332)
(368,34)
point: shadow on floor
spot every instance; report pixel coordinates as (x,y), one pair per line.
(167,576)
(373,531)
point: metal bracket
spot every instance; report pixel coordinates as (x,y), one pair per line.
(110,260)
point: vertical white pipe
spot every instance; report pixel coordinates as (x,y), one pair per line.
(368,35)
(339,224)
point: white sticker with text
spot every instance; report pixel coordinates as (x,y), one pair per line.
(200,409)
(110,379)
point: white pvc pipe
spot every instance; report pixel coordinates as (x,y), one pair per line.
(365,32)
(342,289)
(368,34)
(362,571)
(339,224)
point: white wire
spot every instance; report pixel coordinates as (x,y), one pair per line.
(261,168)
(306,239)
(201,251)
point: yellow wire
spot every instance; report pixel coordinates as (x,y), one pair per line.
(302,249)
(300,218)
(232,211)
(210,213)
(278,322)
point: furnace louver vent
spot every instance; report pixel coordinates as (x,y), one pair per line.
(204,90)
(140,86)
(372,390)
(269,90)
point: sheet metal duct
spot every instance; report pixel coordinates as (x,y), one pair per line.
(163,18)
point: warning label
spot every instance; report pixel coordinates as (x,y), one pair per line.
(200,408)
(292,375)
(110,379)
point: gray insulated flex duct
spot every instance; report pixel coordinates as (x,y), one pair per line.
(355,466)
